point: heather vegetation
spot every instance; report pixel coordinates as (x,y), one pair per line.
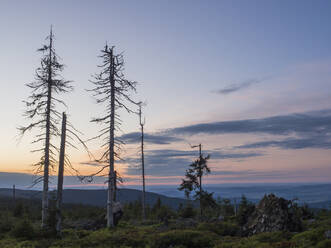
(221,227)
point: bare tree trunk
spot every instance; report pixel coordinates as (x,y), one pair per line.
(143,170)
(112,89)
(142,165)
(111,176)
(44,214)
(14,196)
(60,176)
(115,185)
(200,177)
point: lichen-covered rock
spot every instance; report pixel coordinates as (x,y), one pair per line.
(273,214)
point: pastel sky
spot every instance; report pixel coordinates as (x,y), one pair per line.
(250,80)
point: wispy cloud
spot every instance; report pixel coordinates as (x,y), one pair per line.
(152,138)
(317,122)
(312,130)
(315,141)
(296,131)
(170,162)
(236,87)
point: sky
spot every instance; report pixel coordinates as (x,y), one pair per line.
(250,80)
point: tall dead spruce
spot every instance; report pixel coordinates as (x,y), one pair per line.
(142,123)
(112,90)
(60,175)
(41,110)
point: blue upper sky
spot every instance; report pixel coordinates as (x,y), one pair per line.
(198,62)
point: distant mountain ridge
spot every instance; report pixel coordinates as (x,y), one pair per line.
(316,196)
(97,197)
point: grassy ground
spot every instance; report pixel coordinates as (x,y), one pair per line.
(160,236)
(20,227)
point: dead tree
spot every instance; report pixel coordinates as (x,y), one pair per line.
(41,110)
(113,91)
(14,196)
(142,123)
(60,176)
(69,137)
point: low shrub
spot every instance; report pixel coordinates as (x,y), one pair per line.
(187,212)
(6,224)
(23,229)
(184,238)
(309,238)
(221,228)
(324,244)
(132,237)
(272,237)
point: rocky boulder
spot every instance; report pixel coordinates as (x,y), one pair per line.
(273,214)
